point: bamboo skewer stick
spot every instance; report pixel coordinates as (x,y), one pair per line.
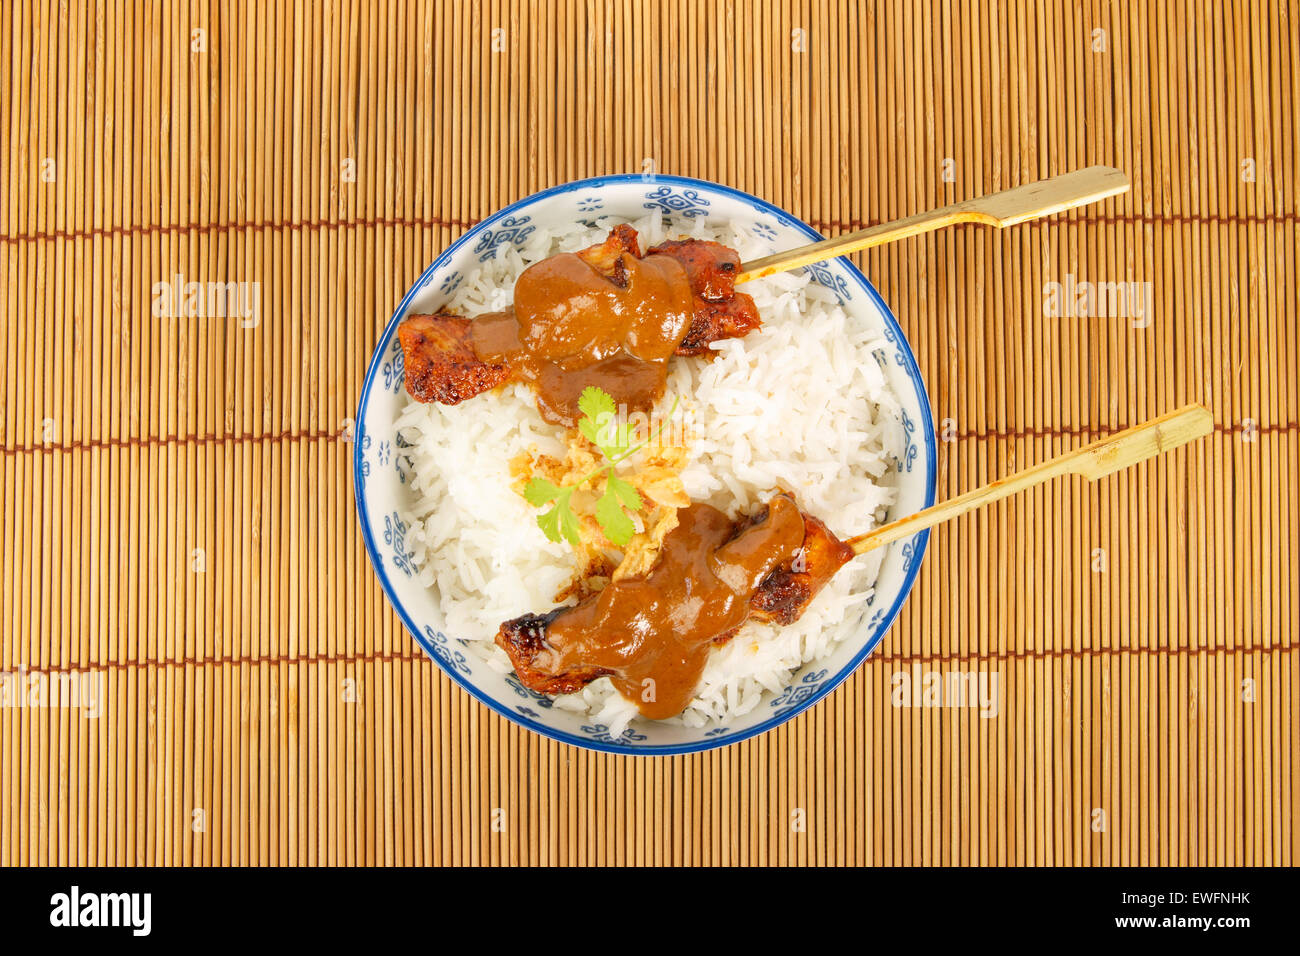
(1094,460)
(1001,209)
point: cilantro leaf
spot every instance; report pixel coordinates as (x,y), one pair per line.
(590,431)
(595,403)
(549,522)
(623,491)
(620,441)
(569,523)
(600,425)
(618,527)
(539,491)
(560,522)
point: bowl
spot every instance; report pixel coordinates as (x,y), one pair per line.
(379,479)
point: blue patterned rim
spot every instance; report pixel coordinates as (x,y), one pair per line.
(881,625)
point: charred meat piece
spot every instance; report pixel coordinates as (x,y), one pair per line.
(711,267)
(524,640)
(730,319)
(720,311)
(606,256)
(439,359)
(785,593)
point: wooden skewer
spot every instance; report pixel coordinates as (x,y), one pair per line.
(1001,209)
(1093,461)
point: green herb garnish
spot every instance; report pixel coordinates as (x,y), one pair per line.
(600,427)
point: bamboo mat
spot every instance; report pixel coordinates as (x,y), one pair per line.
(177,510)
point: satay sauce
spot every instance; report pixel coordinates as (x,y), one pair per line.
(571,327)
(653,632)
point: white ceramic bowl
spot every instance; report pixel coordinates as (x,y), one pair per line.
(381,490)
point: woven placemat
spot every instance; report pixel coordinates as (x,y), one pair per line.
(178,526)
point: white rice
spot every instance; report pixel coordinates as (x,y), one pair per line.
(799,404)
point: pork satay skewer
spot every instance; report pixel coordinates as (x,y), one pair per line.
(1001,209)
(615,638)
(448,360)
(605,316)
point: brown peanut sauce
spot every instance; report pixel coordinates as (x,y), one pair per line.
(571,327)
(653,632)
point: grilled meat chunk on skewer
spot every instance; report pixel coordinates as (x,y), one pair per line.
(524,639)
(440,363)
(606,256)
(731,318)
(795,553)
(720,311)
(784,594)
(443,364)
(711,267)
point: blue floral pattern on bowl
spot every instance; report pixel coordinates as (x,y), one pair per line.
(910,448)
(601,733)
(449,657)
(876,618)
(380,488)
(363,470)
(395,369)
(541,699)
(680,202)
(395,537)
(804,689)
(910,552)
(450,284)
(510,230)
(824,276)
